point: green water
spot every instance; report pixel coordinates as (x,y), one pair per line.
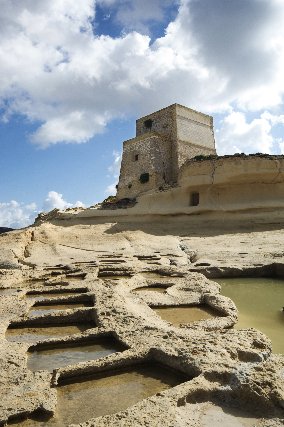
(260,303)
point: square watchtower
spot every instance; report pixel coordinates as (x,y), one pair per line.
(164,141)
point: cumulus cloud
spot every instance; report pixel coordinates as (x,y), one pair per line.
(57,72)
(56,200)
(238,135)
(16,215)
(114,170)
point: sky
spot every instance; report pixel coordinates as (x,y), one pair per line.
(75,75)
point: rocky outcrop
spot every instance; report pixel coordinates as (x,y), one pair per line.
(5,230)
(231,376)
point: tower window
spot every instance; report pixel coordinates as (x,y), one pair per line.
(136,157)
(144,177)
(194,199)
(148,124)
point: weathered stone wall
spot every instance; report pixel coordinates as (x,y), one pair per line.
(187,151)
(224,184)
(163,122)
(153,157)
(194,127)
(164,141)
(195,135)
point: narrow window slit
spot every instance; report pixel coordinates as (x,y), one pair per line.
(194,199)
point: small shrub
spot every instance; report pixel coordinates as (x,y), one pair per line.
(199,157)
(144,177)
(110,199)
(205,157)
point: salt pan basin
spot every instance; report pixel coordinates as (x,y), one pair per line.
(35,334)
(107,393)
(184,314)
(49,359)
(260,302)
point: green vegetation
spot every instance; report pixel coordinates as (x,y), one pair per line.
(144,177)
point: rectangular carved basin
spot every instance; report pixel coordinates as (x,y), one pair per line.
(38,333)
(39,310)
(107,393)
(185,314)
(41,295)
(59,356)
(111,392)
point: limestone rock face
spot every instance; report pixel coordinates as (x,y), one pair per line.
(112,278)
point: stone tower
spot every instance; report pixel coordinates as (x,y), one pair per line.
(164,141)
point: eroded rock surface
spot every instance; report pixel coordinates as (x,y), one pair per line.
(231,376)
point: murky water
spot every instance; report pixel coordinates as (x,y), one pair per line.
(35,334)
(39,310)
(184,314)
(260,302)
(108,393)
(49,359)
(218,416)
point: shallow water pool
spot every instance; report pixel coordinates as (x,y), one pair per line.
(35,334)
(108,393)
(260,302)
(184,314)
(39,310)
(51,358)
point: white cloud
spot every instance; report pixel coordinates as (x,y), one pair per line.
(55,200)
(15,215)
(56,71)
(77,126)
(111,189)
(281,145)
(114,170)
(238,135)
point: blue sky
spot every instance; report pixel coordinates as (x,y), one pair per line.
(74,76)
